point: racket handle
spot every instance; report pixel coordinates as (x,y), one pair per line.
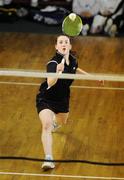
(60,72)
(63,61)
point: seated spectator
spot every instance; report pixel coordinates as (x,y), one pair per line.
(115,21)
(5,2)
(87,9)
(100,16)
(110,18)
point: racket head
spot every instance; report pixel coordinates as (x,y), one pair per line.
(72,27)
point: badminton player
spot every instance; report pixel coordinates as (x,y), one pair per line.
(54,94)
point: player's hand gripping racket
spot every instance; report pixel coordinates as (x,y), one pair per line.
(60,72)
(63,62)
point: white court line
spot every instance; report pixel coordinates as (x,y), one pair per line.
(19,83)
(80,87)
(60,175)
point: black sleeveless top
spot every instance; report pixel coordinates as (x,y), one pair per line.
(61,90)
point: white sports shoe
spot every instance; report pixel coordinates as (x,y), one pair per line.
(55,126)
(48,165)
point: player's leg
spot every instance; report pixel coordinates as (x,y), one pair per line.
(59,120)
(46,118)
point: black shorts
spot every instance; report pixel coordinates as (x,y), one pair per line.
(55,106)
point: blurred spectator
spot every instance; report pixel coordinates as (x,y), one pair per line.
(110,18)
(108,6)
(87,9)
(100,15)
(1,2)
(115,21)
(5,2)
(34,3)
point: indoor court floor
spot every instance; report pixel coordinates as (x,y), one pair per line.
(95,128)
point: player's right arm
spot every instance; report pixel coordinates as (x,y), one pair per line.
(53,67)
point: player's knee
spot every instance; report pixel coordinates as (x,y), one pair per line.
(47,125)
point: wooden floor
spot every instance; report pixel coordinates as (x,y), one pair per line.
(95,130)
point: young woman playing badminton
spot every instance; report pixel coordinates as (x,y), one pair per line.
(53,98)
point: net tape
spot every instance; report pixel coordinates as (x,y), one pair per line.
(40,74)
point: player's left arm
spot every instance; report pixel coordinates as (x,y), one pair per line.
(81,71)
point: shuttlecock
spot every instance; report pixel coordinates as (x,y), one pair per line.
(72,16)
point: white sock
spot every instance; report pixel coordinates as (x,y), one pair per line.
(49,157)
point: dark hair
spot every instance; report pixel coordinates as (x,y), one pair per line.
(70,39)
(74,53)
